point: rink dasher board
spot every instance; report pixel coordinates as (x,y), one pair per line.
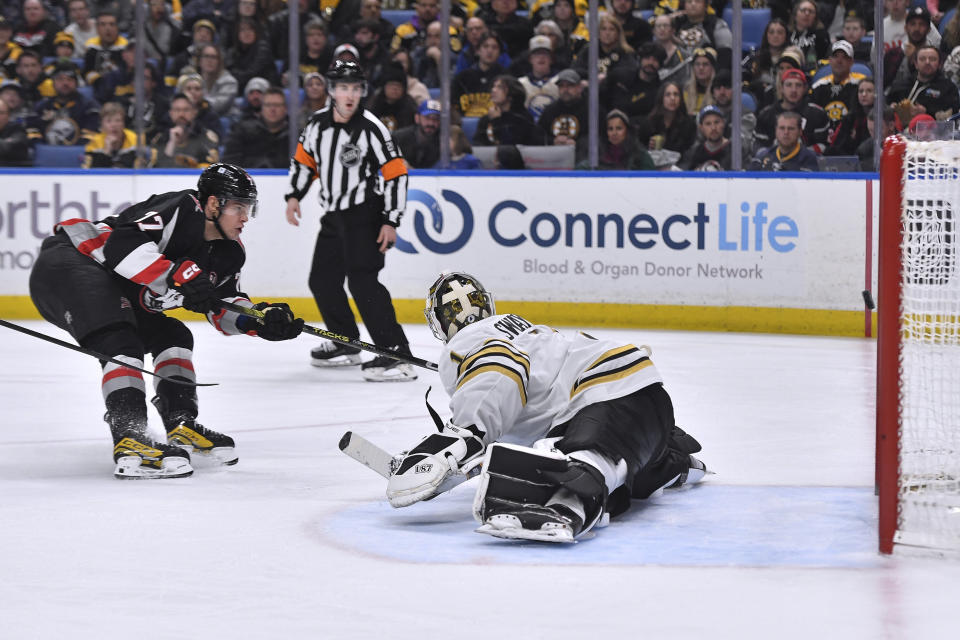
(646,246)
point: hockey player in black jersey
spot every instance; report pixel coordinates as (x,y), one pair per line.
(566,427)
(108,284)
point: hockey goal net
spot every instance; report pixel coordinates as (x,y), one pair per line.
(918,348)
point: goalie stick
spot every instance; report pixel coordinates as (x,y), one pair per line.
(100,356)
(384,464)
(340,339)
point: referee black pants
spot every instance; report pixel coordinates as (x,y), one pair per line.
(347,250)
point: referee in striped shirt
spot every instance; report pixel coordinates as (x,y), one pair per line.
(346,149)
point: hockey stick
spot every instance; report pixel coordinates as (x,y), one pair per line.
(100,356)
(336,337)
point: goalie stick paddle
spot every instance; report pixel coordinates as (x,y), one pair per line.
(336,337)
(100,356)
(367,453)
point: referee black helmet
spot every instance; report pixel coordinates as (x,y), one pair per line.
(346,71)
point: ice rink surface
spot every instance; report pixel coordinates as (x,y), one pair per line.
(297,540)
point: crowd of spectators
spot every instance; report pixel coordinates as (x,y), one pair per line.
(217,70)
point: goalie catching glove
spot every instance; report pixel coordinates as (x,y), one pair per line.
(278,322)
(193,283)
(438,463)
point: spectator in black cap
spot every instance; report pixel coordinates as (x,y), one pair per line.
(68,117)
(14,144)
(391,103)
(250,56)
(895,27)
(899,62)
(712,152)
(420,142)
(634,91)
(565,121)
(507,120)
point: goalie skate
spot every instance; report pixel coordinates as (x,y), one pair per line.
(532,522)
(138,458)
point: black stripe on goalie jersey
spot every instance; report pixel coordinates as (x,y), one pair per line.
(499,360)
(615,356)
(501,369)
(492,351)
(610,372)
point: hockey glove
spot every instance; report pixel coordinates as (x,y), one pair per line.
(191,282)
(278,321)
(438,463)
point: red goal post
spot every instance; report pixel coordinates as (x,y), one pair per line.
(918,347)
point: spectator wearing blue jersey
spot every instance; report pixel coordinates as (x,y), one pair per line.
(789,153)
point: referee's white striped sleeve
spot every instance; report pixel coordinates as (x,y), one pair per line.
(304,168)
(394,170)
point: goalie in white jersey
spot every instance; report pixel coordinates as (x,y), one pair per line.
(595,411)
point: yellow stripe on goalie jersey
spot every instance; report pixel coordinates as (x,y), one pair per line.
(612,354)
(611,376)
(496,367)
(495,348)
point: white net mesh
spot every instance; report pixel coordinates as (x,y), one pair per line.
(929,492)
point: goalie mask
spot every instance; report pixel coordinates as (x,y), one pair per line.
(455,300)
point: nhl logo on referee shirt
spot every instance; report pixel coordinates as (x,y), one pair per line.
(350,155)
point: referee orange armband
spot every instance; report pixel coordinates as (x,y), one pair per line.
(394,168)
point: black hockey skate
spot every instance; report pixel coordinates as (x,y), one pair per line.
(385,369)
(140,458)
(334,354)
(191,435)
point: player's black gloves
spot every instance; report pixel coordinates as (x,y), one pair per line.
(278,321)
(190,281)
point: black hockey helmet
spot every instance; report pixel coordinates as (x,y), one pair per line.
(228,182)
(346,71)
(455,300)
